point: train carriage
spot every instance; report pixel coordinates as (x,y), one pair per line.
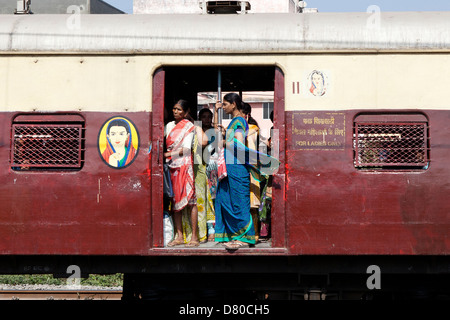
(360,109)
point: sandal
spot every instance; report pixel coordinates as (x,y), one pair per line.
(175,242)
(192,244)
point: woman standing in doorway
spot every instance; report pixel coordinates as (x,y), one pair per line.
(179,136)
(206,172)
(234,224)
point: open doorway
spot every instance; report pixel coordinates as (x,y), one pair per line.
(200,86)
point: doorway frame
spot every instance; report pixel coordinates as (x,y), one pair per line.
(278,214)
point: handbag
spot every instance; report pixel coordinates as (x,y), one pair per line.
(168,189)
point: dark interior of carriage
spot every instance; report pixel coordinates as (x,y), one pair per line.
(186,82)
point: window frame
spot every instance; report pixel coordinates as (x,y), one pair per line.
(386,121)
(49,122)
(267,109)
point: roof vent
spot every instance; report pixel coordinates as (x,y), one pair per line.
(224,7)
(23,7)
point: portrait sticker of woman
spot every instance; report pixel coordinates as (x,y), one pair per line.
(118,142)
(318,83)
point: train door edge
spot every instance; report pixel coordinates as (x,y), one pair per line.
(278,214)
(157,138)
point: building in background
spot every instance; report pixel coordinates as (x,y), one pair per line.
(166,6)
(57,7)
(261,102)
(196,6)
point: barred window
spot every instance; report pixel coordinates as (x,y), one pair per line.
(47,142)
(391,142)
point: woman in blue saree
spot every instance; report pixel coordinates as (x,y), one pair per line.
(234,224)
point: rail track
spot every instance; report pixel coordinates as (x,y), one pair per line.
(17,294)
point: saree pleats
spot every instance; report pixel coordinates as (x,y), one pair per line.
(204,201)
(233,219)
(181,168)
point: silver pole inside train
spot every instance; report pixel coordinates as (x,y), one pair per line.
(219,95)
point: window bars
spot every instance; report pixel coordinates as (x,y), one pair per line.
(47,146)
(391,145)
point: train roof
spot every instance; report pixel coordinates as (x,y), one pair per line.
(245,33)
